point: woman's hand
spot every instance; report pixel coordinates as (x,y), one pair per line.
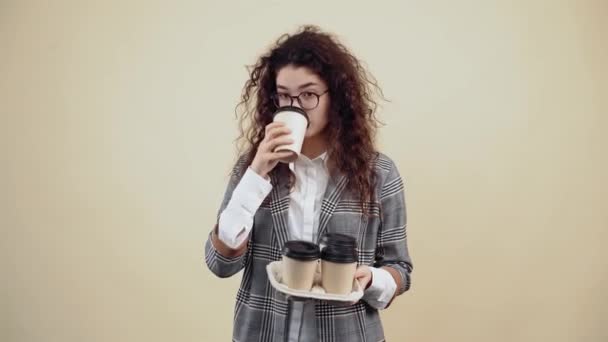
(363,275)
(276,134)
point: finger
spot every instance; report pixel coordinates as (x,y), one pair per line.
(270,145)
(277,132)
(362,283)
(274,156)
(273,125)
(279,142)
(365,278)
(360,272)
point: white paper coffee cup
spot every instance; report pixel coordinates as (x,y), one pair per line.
(300,260)
(338,266)
(297,274)
(338,278)
(297,121)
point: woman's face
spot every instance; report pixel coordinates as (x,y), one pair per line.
(294,81)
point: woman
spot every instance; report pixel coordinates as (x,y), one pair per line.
(339,184)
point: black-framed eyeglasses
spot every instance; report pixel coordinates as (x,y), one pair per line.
(307,99)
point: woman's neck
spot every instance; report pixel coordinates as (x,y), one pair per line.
(314,146)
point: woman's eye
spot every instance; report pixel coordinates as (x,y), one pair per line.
(283,97)
(307,94)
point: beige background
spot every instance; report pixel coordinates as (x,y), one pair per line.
(116,139)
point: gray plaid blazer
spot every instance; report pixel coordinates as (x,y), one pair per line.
(261,311)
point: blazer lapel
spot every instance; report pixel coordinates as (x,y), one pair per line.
(333,193)
(279,209)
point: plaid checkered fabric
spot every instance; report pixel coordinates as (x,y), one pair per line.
(261,311)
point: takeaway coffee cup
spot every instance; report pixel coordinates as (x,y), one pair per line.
(300,259)
(338,265)
(297,121)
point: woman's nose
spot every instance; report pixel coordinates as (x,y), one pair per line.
(295,102)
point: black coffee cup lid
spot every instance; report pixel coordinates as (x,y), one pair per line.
(339,254)
(337,239)
(292,109)
(301,250)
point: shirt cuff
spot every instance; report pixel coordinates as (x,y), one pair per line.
(382,289)
(236,220)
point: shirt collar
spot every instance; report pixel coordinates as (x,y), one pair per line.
(323,156)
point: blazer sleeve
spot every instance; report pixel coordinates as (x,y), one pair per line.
(391,247)
(221,265)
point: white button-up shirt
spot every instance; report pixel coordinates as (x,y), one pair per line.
(307,196)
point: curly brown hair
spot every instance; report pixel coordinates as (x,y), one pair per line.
(352,122)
